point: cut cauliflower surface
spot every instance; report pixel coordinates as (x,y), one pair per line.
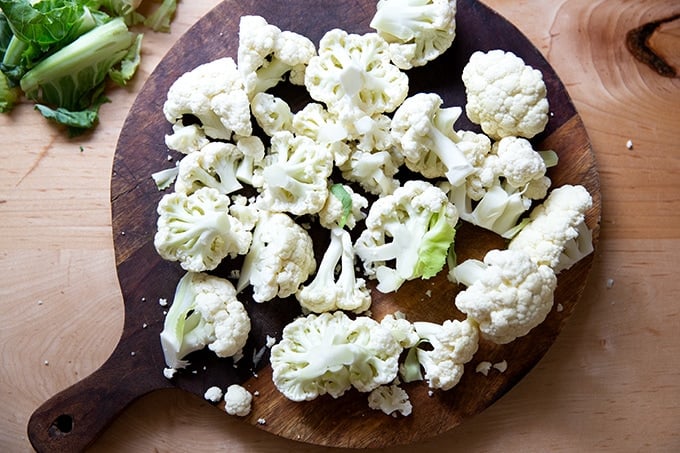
(418,31)
(197,230)
(214,165)
(352,74)
(214,94)
(271,113)
(267,55)
(204,312)
(505,96)
(507,294)
(556,234)
(237,400)
(331,353)
(280,258)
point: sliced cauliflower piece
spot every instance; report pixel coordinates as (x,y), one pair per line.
(326,292)
(556,234)
(280,258)
(391,399)
(507,294)
(505,96)
(271,113)
(418,31)
(204,312)
(330,353)
(198,231)
(266,55)
(352,74)
(375,171)
(213,93)
(214,166)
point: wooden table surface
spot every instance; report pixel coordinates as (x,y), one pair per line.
(611,382)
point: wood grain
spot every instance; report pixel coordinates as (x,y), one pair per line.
(609,383)
(74,416)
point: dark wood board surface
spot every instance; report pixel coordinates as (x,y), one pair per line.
(73,418)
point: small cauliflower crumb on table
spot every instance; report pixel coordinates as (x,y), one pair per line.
(608,383)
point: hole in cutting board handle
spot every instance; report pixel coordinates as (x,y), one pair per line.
(61,426)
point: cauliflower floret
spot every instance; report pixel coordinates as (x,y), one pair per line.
(214,166)
(373,171)
(271,113)
(402,329)
(198,231)
(556,234)
(476,147)
(280,258)
(186,139)
(505,96)
(425,134)
(507,294)
(451,345)
(213,93)
(237,400)
(352,74)
(502,188)
(343,207)
(213,394)
(414,228)
(204,312)
(252,150)
(390,399)
(266,55)
(330,353)
(295,174)
(418,30)
(317,123)
(326,292)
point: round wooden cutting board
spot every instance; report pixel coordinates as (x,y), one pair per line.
(72,419)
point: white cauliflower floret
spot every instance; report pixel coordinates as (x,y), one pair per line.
(424,132)
(186,139)
(326,292)
(451,345)
(237,400)
(204,312)
(556,234)
(214,166)
(352,74)
(271,113)
(507,294)
(330,353)
(390,399)
(295,174)
(373,171)
(402,329)
(502,188)
(505,96)
(213,394)
(266,55)
(418,30)
(198,231)
(280,258)
(343,207)
(252,150)
(214,94)
(476,147)
(317,123)
(413,228)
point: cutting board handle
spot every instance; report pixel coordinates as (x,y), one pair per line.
(73,418)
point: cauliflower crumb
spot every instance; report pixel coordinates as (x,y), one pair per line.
(428,293)
(271,341)
(560,308)
(501,366)
(145,325)
(629,144)
(237,400)
(163,302)
(46,362)
(169,373)
(213,394)
(483,367)
(256,393)
(261,421)
(610,283)
(133,353)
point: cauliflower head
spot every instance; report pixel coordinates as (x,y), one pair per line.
(280,258)
(295,174)
(198,231)
(556,234)
(505,96)
(266,55)
(418,31)
(204,312)
(330,353)
(352,74)
(451,345)
(507,294)
(414,228)
(214,94)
